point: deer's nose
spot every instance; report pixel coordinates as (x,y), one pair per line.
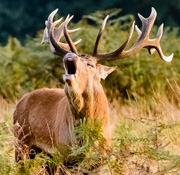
(70,57)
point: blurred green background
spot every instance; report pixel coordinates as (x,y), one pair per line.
(19,18)
(27,65)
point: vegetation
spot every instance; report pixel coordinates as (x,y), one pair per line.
(144,111)
(146,141)
(25,68)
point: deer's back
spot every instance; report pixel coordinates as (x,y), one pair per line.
(42,119)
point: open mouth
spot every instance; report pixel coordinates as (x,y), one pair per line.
(70,66)
(70,69)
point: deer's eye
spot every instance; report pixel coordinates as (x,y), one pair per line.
(90,65)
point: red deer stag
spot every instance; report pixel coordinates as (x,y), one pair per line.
(45,118)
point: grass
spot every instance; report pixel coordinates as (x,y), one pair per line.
(145,141)
(150,137)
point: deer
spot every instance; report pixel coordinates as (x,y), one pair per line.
(46,117)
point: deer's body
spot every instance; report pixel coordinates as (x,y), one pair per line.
(47,116)
(44,115)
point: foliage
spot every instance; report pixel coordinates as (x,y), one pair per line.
(84,156)
(89,143)
(25,68)
(145,141)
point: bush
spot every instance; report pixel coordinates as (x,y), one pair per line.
(25,68)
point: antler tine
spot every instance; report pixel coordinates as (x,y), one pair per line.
(99,35)
(58,33)
(53,34)
(68,39)
(56,48)
(150,50)
(45,38)
(66,46)
(73,30)
(138,31)
(156,45)
(48,24)
(142,41)
(113,55)
(46,31)
(158,48)
(50,19)
(48,36)
(60,29)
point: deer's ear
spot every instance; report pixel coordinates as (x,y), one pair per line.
(104,71)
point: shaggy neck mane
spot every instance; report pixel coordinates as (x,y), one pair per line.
(90,104)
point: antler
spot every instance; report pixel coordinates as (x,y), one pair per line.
(99,35)
(142,41)
(53,34)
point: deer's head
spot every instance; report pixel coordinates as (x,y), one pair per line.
(83,71)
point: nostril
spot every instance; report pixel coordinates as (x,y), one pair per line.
(70,55)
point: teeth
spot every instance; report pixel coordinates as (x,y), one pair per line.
(69,59)
(69,77)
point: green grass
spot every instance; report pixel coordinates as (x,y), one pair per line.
(145,140)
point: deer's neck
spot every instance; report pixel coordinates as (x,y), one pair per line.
(90,104)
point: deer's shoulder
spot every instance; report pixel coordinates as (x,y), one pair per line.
(43,95)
